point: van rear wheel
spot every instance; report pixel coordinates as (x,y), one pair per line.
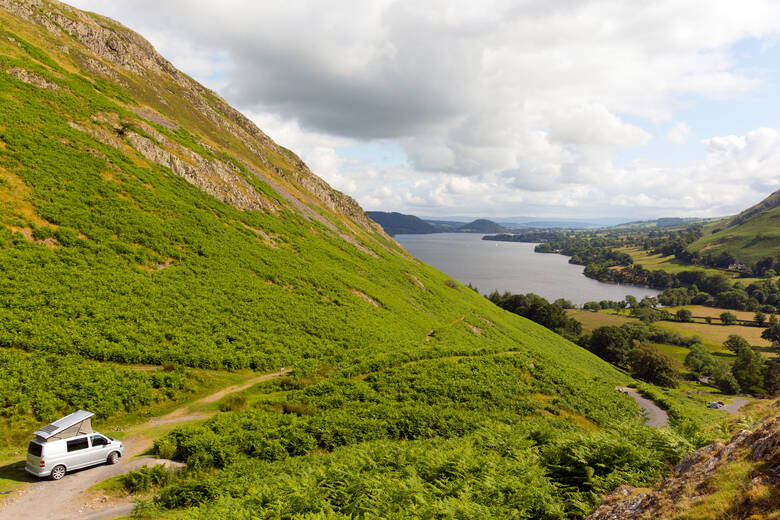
(113,457)
(58,472)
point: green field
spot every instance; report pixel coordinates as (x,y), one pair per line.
(665,263)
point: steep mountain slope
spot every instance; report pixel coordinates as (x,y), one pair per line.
(749,237)
(144,221)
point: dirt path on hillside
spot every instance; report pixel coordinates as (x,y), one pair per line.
(69,498)
(655,416)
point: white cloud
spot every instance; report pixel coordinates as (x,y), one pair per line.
(679,133)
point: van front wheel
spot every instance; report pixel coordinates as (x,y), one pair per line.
(113,458)
(57,472)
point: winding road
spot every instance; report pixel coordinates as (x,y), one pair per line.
(70,497)
(655,416)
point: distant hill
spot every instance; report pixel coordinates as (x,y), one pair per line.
(664,222)
(749,237)
(397,223)
(481,226)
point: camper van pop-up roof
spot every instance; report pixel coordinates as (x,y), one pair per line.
(71,425)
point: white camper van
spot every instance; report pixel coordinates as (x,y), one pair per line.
(70,444)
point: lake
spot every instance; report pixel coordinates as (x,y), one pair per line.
(512,266)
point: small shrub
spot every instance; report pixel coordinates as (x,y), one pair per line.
(187,494)
(145,478)
(298,409)
(451,284)
(232,403)
(165,447)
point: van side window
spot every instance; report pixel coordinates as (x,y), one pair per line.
(78,444)
(97,440)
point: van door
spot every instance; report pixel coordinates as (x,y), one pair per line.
(78,454)
(98,452)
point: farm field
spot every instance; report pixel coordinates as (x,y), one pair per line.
(672,265)
(712,335)
(665,263)
(713,312)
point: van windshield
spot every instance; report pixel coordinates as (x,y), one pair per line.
(34,449)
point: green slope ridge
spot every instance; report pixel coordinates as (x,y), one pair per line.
(751,236)
(144,221)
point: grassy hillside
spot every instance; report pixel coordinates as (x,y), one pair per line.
(148,232)
(751,236)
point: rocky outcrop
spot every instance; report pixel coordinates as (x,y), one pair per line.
(31,78)
(693,480)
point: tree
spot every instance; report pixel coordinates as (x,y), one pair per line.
(684,315)
(735,343)
(748,370)
(728,318)
(611,344)
(724,379)
(708,319)
(700,360)
(760,318)
(772,333)
(648,364)
(772,376)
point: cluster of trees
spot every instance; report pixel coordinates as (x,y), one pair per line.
(695,287)
(625,347)
(750,373)
(537,309)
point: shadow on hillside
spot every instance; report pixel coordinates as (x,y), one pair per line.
(15,472)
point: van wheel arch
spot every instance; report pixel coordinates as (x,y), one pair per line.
(113,457)
(58,471)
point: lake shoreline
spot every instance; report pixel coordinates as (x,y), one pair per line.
(513,266)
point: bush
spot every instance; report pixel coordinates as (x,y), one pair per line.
(684,315)
(232,403)
(187,494)
(728,318)
(146,478)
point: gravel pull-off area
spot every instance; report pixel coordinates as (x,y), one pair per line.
(655,416)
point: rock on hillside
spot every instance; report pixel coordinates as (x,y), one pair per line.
(750,463)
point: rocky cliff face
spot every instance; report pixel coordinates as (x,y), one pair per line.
(735,479)
(160,93)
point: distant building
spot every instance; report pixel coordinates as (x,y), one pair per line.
(740,267)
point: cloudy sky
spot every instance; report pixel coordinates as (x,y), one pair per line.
(530,107)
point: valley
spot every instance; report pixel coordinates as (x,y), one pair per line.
(168,266)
